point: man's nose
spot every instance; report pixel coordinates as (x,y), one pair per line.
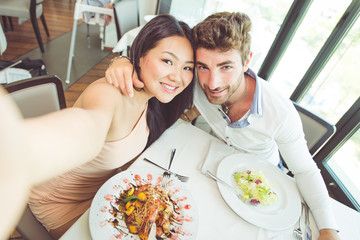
(214,80)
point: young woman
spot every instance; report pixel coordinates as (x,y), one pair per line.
(90,141)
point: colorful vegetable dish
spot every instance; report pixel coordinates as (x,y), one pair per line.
(141,206)
(256,188)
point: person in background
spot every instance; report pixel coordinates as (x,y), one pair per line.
(77,149)
(243,110)
(98,3)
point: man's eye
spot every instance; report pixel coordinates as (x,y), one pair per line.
(167,61)
(226,67)
(202,67)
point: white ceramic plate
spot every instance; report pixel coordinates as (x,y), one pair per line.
(100,217)
(282,214)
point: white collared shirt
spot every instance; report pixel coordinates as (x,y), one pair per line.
(272,125)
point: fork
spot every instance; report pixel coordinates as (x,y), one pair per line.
(180,177)
(297,231)
(239,193)
(307,223)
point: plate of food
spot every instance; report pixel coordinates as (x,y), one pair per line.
(270,198)
(134,204)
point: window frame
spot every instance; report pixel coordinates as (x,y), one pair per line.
(340,31)
(283,38)
(346,128)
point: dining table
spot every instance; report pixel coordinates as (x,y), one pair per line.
(196,152)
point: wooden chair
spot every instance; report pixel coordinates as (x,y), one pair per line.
(36,96)
(26,9)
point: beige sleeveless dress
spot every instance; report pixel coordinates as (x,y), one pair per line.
(62,200)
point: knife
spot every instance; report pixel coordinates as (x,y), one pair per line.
(307,223)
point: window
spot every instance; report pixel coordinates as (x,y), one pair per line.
(266,17)
(320,19)
(345,165)
(334,91)
(337,86)
(339,160)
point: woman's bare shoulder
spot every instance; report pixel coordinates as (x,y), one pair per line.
(101,85)
(99,92)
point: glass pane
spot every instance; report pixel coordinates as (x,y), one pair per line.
(265,15)
(346,165)
(189,11)
(318,23)
(337,87)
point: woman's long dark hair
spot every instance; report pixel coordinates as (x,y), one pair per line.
(161,116)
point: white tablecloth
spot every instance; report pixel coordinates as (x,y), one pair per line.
(217,220)
(126,40)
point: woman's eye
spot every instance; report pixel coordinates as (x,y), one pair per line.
(167,61)
(188,68)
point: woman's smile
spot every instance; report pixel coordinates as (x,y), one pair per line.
(168,88)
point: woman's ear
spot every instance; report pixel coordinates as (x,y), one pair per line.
(141,61)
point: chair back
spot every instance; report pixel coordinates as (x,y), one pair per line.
(26,9)
(37,96)
(30,228)
(316,129)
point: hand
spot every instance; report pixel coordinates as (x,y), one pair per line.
(120,74)
(328,234)
(190,114)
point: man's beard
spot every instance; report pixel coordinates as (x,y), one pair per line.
(215,99)
(230,89)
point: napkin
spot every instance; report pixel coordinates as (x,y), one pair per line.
(10,75)
(217,151)
(264,234)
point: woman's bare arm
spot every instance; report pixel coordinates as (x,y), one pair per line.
(62,140)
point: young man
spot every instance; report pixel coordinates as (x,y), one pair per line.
(244,110)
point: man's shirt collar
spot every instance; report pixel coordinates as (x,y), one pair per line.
(256,109)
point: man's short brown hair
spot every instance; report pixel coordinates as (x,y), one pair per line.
(224,31)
